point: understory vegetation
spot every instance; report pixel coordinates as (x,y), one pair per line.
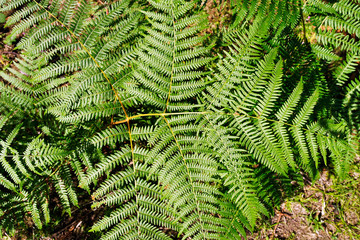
(171,119)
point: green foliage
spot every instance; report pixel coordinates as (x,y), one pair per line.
(2,18)
(337,31)
(128,101)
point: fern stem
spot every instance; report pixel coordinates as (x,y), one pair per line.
(218,113)
(229,154)
(160,114)
(303,25)
(188,173)
(173,60)
(135,182)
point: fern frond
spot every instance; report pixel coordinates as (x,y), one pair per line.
(342,72)
(142,208)
(324,53)
(168,67)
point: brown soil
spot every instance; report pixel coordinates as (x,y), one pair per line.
(324,210)
(218,13)
(7,53)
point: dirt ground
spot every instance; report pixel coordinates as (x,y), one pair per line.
(327,209)
(7,53)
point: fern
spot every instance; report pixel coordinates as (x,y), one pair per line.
(169,60)
(175,133)
(27,179)
(338,30)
